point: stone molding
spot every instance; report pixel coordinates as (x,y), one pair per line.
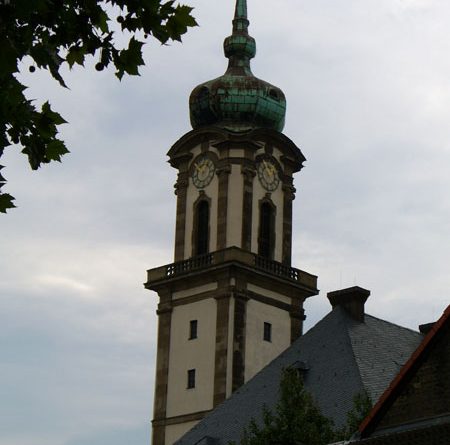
(219,137)
(221,351)
(179,419)
(273,274)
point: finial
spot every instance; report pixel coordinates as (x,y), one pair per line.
(240,47)
(240,22)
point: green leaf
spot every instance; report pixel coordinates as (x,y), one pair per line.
(131,58)
(55,117)
(3,142)
(75,55)
(185,17)
(6,202)
(9,57)
(179,22)
(34,147)
(55,73)
(55,150)
(13,91)
(103,22)
(42,55)
(2,179)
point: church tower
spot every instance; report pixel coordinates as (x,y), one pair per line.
(231,301)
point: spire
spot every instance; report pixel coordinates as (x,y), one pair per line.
(238,101)
(240,47)
(240,22)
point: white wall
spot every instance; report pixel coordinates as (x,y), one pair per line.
(194,291)
(198,354)
(268,293)
(258,353)
(174,432)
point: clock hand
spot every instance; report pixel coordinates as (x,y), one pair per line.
(266,167)
(271,170)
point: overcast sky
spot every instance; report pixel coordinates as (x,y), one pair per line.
(367,84)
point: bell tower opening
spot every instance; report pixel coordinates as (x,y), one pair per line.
(201,228)
(266,238)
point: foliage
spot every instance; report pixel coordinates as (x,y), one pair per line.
(296,421)
(50,33)
(362,404)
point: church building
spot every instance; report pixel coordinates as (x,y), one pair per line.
(230,312)
(231,302)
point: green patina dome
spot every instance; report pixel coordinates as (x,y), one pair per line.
(238,100)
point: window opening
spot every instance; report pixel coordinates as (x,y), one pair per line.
(266,230)
(274,94)
(193,329)
(267,331)
(191,379)
(202,227)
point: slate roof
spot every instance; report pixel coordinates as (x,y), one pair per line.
(343,358)
(394,389)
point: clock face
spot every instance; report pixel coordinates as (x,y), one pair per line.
(203,171)
(268,175)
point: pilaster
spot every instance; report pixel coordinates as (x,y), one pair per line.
(162,367)
(239,332)
(222,206)
(288,197)
(249,173)
(181,191)
(221,353)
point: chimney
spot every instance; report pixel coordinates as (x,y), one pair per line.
(351,299)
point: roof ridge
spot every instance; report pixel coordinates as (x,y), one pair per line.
(352,346)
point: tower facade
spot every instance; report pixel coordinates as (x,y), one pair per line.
(231,302)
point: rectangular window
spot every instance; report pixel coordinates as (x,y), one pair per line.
(191,379)
(193,329)
(267,332)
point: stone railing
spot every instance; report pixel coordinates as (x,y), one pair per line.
(276,268)
(231,254)
(189,265)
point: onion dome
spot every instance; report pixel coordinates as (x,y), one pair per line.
(238,101)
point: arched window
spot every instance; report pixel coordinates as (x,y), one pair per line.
(266,238)
(202,228)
